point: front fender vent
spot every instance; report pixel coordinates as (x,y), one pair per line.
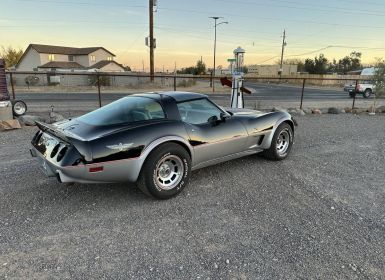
(261,140)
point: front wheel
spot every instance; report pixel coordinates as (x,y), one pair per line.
(166,171)
(281,143)
(367,93)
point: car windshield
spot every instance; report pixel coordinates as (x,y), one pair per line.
(126,110)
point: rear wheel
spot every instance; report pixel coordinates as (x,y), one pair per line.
(367,93)
(165,172)
(281,144)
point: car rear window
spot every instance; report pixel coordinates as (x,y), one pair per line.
(126,110)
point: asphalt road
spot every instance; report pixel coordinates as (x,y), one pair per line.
(260,92)
(317,215)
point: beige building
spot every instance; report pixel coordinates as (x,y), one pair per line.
(46,57)
(272,70)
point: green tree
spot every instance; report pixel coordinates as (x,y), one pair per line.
(199,69)
(378,81)
(348,63)
(379,78)
(127,68)
(293,61)
(309,66)
(318,65)
(10,55)
(321,64)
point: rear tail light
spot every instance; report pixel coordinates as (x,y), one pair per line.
(55,150)
(61,154)
(37,136)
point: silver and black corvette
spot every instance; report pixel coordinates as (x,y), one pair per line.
(156,140)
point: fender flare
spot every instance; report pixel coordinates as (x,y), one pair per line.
(269,137)
(156,143)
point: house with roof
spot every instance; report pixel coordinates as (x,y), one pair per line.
(57,58)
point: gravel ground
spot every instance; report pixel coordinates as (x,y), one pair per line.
(320,214)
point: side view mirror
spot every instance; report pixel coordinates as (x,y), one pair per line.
(224,116)
(213,120)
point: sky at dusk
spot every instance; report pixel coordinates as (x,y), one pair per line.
(185,33)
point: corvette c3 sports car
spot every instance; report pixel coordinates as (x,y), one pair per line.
(156,140)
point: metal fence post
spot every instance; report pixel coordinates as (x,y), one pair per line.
(211,79)
(12,86)
(99,94)
(303,90)
(174,83)
(354,96)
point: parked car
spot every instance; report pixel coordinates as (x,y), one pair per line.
(156,139)
(363,87)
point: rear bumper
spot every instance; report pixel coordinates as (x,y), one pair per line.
(350,89)
(114,171)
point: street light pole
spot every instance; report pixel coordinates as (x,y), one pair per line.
(283,49)
(151,43)
(215,46)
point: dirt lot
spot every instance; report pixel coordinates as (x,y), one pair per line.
(320,214)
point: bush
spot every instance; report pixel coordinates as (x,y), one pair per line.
(187,83)
(31,80)
(103,80)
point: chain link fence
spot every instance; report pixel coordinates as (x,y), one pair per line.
(88,90)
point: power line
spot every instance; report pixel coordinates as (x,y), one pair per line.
(208,13)
(312,8)
(70,3)
(332,8)
(278,19)
(322,49)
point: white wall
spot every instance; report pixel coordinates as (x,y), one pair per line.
(112,67)
(99,54)
(82,60)
(30,61)
(272,70)
(58,57)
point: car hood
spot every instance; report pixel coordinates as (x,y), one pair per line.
(245,112)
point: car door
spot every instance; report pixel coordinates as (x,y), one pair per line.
(210,139)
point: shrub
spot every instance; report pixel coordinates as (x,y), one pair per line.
(31,80)
(187,83)
(103,80)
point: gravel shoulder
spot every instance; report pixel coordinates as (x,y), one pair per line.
(319,214)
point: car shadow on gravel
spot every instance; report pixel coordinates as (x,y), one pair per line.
(129,192)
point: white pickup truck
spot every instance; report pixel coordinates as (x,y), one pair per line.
(364,87)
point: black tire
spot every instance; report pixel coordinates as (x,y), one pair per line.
(367,93)
(282,135)
(19,108)
(174,162)
(352,94)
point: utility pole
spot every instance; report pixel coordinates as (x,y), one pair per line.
(283,50)
(151,43)
(215,46)
(215,49)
